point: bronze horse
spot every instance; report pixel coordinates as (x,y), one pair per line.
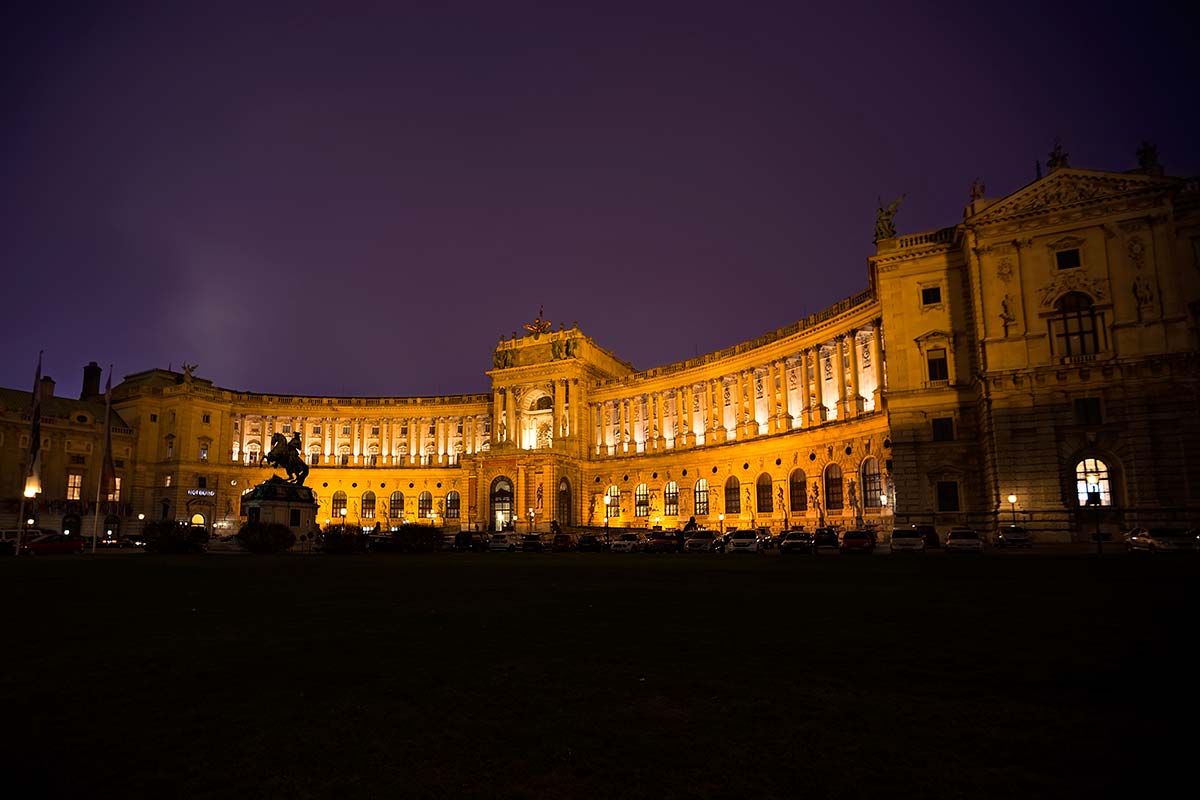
(286,455)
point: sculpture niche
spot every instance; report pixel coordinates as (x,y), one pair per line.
(286,455)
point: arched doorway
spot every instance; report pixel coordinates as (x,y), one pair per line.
(562,512)
(197,520)
(72,525)
(501,516)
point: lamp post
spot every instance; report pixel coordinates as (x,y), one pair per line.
(530,512)
(1012,502)
(607,503)
(343,513)
(1093,492)
(721,519)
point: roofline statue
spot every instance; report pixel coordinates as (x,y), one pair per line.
(885,226)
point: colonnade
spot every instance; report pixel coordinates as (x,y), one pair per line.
(835,379)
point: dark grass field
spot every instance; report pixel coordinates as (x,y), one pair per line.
(596,676)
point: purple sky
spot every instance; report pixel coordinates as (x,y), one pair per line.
(360,199)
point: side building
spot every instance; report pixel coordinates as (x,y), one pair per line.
(1036,362)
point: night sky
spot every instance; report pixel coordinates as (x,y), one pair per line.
(360,198)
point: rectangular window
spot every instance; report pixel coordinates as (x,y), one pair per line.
(374,430)
(345,430)
(204,452)
(931,295)
(733,498)
(641,501)
(287,427)
(116,492)
(1087,411)
(1067,259)
(701,497)
(947,496)
(372,461)
(74,486)
(671,499)
(943,429)
(938,369)
(154,417)
(77,459)
(206,419)
(452,505)
(201,482)
(295,517)
(345,459)
(314,458)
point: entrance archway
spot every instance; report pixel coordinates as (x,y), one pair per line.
(562,512)
(501,505)
(197,520)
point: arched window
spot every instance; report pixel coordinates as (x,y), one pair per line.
(871,483)
(452,505)
(641,501)
(762,494)
(700,496)
(543,403)
(613,508)
(396,505)
(671,499)
(564,507)
(733,500)
(368,505)
(798,491)
(314,454)
(833,488)
(1092,484)
(339,504)
(1076,328)
(425,505)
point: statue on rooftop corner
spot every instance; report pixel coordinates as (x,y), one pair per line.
(1057,157)
(539,325)
(885,226)
(286,455)
(1147,156)
(977,190)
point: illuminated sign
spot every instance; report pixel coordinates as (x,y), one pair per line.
(202,492)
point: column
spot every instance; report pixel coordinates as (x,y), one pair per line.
(752,403)
(623,432)
(510,418)
(855,403)
(715,407)
(660,441)
(557,425)
(839,374)
(877,362)
(802,419)
(497,415)
(685,394)
(819,412)
(598,419)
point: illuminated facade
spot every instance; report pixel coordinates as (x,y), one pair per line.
(1049,338)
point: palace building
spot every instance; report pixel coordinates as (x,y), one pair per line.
(1036,362)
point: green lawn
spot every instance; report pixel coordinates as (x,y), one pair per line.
(599,676)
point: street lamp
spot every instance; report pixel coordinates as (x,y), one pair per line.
(721,519)
(530,512)
(1012,502)
(343,513)
(1093,492)
(607,503)
(141,517)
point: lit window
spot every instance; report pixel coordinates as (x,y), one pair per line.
(641,501)
(452,505)
(671,499)
(116,492)
(74,486)
(368,505)
(396,505)
(700,496)
(203,452)
(872,485)
(1092,484)
(339,504)
(614,502)
(167,481)
(425,505)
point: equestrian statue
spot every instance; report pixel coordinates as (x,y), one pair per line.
(286,455)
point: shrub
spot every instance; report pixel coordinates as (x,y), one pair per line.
(343,542)
(265,537)
(168,536)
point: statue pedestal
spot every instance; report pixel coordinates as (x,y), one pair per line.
(278,501)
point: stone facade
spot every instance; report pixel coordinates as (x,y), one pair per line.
(1053,328)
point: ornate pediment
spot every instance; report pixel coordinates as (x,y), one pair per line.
(1073,281)
(1068,187)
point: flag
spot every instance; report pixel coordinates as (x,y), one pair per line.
(108,473)
(33,477)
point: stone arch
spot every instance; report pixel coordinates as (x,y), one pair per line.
(501,501)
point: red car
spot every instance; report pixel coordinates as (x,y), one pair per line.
(52,544)
(857,542)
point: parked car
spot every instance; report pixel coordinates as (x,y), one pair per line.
(766,540)
(662,542)
(742,542)
(591,543)
(908,540)
(824,537)
(52,544)
(1161,540)
(700,542)
(1012,536)
(932,541)
(627,543)
(563,543)
(533,543)
(504,542)
(963,540)
(796,542)
(857,542)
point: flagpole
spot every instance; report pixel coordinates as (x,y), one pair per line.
(103,478)
(35,446)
